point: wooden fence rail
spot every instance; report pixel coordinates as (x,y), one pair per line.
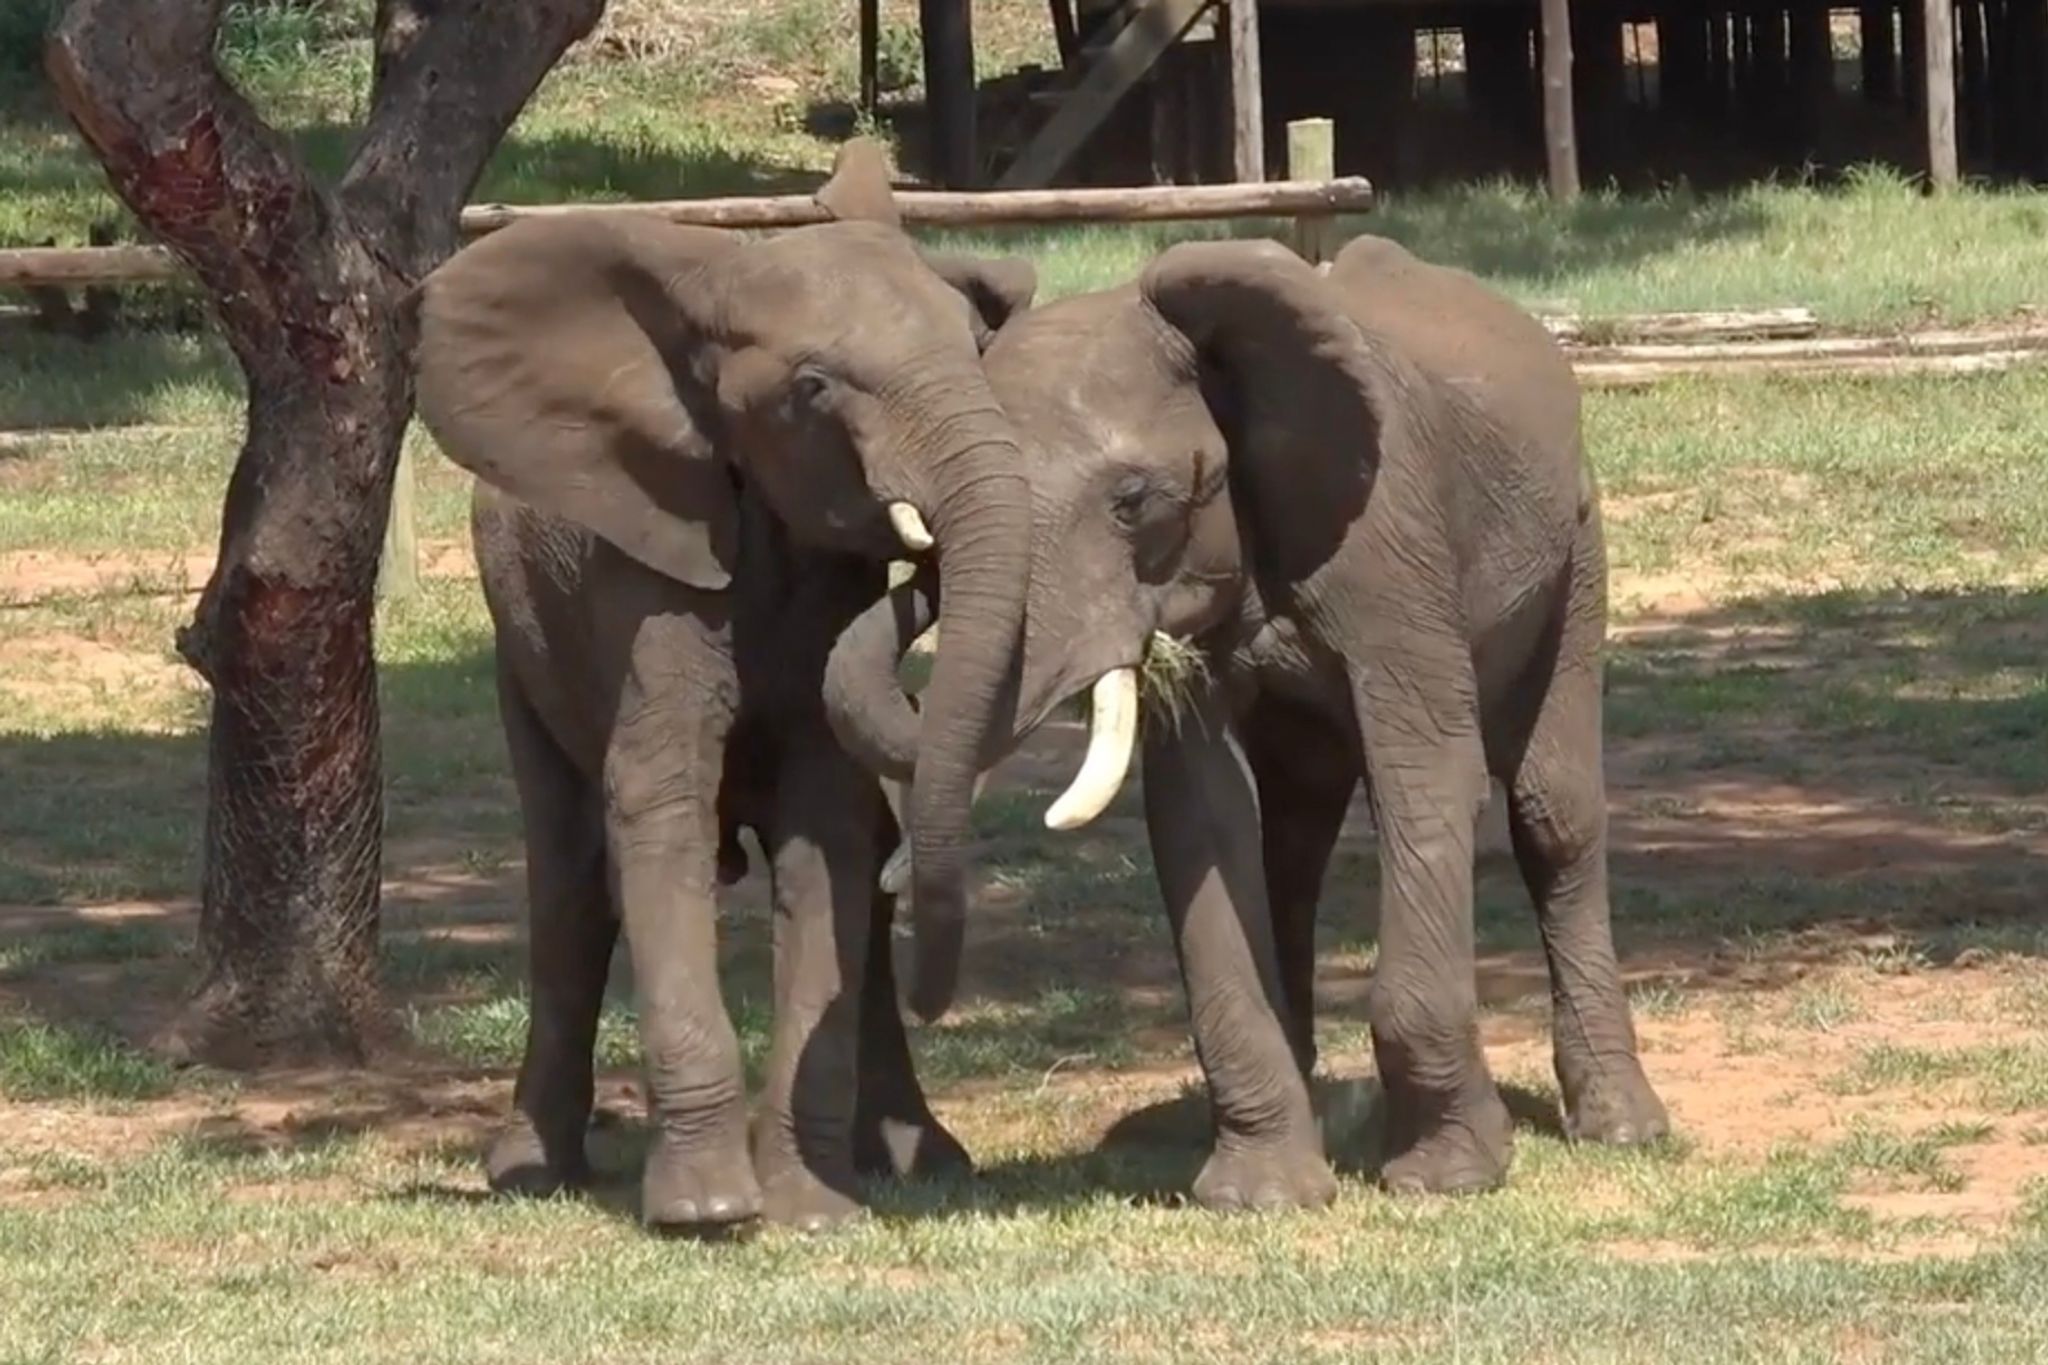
(77,267)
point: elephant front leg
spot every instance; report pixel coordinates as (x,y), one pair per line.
(662,824)
(1203,820)
(1447,1130)
(895,1131)
(824,865)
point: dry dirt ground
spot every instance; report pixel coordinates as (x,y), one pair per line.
(1796,1033)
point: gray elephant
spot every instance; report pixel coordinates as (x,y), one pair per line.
(698,454)
(1360,492)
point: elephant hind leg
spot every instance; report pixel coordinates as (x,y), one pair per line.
(571,933)
(1306,771)
(1557,817)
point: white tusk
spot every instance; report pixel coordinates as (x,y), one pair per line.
(1112,731)
(910,527)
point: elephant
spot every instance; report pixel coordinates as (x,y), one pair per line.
(697,455)
(1358,492)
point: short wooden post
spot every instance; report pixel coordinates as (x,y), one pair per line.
(398,577)
(1937,58)
(1247,94)
(1312,155)
(1560,135)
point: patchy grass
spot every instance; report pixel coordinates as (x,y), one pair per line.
(40,1061)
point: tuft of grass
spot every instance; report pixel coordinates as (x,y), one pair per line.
(1173,670)
(41,1061)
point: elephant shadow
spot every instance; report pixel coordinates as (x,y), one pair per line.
(1151,1156)
(1148,1158)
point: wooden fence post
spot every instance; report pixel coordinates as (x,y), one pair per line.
(1312,155)
(1937,58)
(1247,94)
(1560,132)
(398,579)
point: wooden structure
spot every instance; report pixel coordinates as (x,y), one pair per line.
(1190,91)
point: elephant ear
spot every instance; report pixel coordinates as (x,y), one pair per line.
(558,361)
(998,287)
(859,190)
(1302,388)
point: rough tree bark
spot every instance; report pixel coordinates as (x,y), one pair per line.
(310,287)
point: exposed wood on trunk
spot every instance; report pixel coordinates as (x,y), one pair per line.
(308,286)
(948,31)
(72,266)
(1156,26)
(1938,60)
(1560,135)
(1247,94)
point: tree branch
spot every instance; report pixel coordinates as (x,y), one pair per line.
(449,80)
(199,168)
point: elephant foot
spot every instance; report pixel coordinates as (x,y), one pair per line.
(519,1164)
(1465,1152)
(909,1149)
(794,1197)
(1265,1177)
(1616,1107)
(688,1189)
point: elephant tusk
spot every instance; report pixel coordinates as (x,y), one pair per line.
(910,527)
(1112,731)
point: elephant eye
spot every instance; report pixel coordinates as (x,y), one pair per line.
(1130,501)
(809,386)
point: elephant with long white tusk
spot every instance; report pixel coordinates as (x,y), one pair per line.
(1357,494)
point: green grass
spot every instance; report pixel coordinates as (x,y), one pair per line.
(381,1258)
(40,1061)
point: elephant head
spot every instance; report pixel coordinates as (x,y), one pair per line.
(1209,428)
(633,376)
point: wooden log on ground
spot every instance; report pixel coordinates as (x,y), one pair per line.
(1757,325)
(76,266)
(1626,374)
(1938,342)
(1312,152)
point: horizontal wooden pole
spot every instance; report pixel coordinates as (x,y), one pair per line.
(1600,374)
(78,266)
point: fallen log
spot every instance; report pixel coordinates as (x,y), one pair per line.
(1636,373)
(1758,324)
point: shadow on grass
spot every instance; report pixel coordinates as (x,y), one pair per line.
(1820,769)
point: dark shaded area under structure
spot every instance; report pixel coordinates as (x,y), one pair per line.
(1423,93)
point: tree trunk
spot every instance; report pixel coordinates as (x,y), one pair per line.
(310,287)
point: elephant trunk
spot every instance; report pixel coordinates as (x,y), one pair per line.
(863,695)
(981,521)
